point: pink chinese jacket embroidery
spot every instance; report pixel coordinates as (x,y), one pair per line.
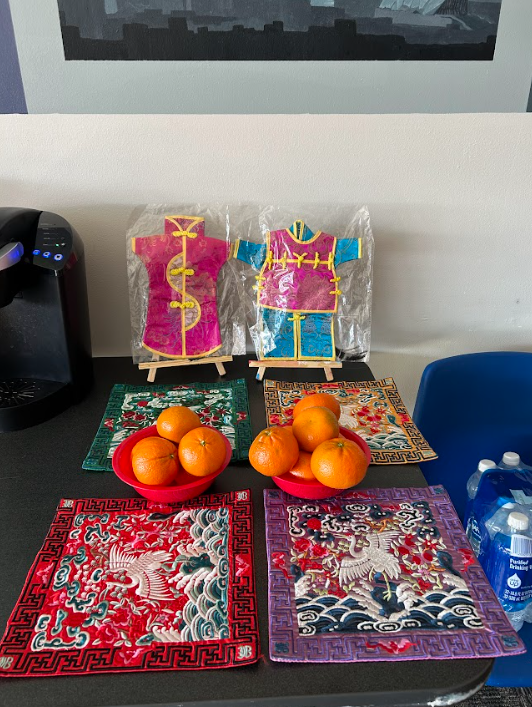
(183,266)
(297,275)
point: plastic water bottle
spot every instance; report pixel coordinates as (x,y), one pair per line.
(470,519)
(510,460)
(497,522)
(510,567)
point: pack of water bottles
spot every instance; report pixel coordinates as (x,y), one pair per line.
(498,522)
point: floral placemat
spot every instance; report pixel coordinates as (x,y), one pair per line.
(382,574)
(372,409)
(124,585)
(131,407)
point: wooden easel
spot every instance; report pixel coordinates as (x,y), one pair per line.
(264,363)
(152,366)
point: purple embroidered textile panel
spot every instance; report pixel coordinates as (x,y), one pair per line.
(379,574)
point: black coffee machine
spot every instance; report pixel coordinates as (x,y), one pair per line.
(45,350)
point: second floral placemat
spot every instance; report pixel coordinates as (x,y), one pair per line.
(372,409)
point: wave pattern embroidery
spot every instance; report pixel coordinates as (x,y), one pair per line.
(121,586)
(377,574)
(125,584)
(372,409)
(374,567)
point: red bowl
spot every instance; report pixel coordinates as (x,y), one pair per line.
(312,489)
(186,487)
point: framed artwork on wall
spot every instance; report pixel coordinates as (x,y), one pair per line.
(273,56)
(272,30)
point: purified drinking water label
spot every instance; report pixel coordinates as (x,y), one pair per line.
(511,570)
(518,588)
(514,582)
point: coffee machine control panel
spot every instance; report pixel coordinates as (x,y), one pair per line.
(53,246)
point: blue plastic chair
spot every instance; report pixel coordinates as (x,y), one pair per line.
(473,407)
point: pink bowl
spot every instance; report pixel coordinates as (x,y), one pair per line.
(313,489)
(186,487)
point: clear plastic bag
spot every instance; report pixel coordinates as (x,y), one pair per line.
(285,260)
(182,307)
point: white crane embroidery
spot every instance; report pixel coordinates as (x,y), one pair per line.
(370,560)
(143,572)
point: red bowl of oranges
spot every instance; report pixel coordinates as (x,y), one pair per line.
(313,457)
(175,460)
(306,486)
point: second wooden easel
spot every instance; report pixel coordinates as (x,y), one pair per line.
(264,363)
(153,366)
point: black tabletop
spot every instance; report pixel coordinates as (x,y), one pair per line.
(40,465)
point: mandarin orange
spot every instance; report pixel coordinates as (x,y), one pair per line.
(174,422)
(202,451)
(301,469)
(323,400)
(339,463)
(154,461)
(314,426)
(274,451)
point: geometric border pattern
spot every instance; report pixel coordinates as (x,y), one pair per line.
(242,648)
(97,458)
(497,638)
(420,449)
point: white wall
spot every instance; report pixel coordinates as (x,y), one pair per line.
(450,198)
